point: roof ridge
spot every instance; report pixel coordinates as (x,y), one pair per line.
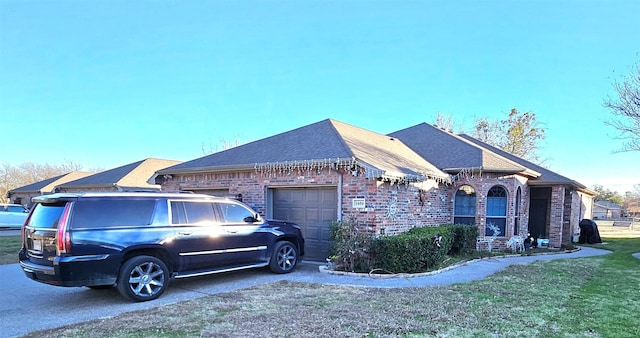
(343,142)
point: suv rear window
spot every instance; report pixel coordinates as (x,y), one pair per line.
(101,213)
(46,216)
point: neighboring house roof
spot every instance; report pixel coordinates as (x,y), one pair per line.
(607,205)
(454,153)
(328,141)
(133,175)
(47,186)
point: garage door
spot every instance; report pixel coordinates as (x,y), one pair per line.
(313,209)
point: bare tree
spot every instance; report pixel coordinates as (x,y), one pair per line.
(224,145)
(626,109)
(15,176)
(488,131)
(445,121)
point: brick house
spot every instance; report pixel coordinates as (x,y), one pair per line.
(420,176)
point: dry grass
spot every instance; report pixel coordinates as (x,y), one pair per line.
(589,297)
(525,300)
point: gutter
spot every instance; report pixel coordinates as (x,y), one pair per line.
(254,166)
(522,170)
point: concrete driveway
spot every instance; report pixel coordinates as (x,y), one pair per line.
(54,306)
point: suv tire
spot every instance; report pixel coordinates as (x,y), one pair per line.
(143,278)
(284,257)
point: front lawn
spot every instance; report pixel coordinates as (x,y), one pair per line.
(9,247)
(587,297)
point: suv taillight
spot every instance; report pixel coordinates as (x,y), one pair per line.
(63,238)
(23,230)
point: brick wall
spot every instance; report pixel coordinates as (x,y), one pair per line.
(389,208)
(392,208)
(557,216)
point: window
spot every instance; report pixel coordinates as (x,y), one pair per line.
(101,213)
(191,212)
(516,223)
(47,215)
(465,206)
(496,212)
(235,213)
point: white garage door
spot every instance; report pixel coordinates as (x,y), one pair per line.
(313,209)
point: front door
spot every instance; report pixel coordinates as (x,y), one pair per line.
(538,218)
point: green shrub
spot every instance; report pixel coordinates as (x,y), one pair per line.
(413,251)
(464,239)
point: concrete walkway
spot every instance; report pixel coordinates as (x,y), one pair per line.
(467,272)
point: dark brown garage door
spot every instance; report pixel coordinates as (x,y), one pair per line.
(313,209)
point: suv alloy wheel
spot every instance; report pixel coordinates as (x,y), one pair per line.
(143,278)
(285,257)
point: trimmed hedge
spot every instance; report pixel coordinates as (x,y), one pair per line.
(416,250)
(465,237)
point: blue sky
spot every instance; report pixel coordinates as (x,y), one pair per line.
(107,83)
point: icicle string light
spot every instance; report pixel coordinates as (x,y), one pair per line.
(287,168)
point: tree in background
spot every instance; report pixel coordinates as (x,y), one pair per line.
(488,131)
(631,203)
(626,109)
(15,176)
(224,145)
(604,194)
(519,134)
(445,121)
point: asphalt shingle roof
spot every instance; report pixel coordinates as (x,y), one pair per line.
(451,152)
(327,140)
(134,174)
(49,184)
(546,177)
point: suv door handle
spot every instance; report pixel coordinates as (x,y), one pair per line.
(231,231)
(185,233)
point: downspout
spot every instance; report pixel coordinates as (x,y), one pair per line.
(340,183)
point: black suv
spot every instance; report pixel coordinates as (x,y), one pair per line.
(138,241)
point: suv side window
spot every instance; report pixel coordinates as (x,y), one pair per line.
(235,213)
(100,213)
(186,212)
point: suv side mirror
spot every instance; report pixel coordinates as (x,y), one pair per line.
(250,219)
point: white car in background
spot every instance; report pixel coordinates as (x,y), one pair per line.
(12,215)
